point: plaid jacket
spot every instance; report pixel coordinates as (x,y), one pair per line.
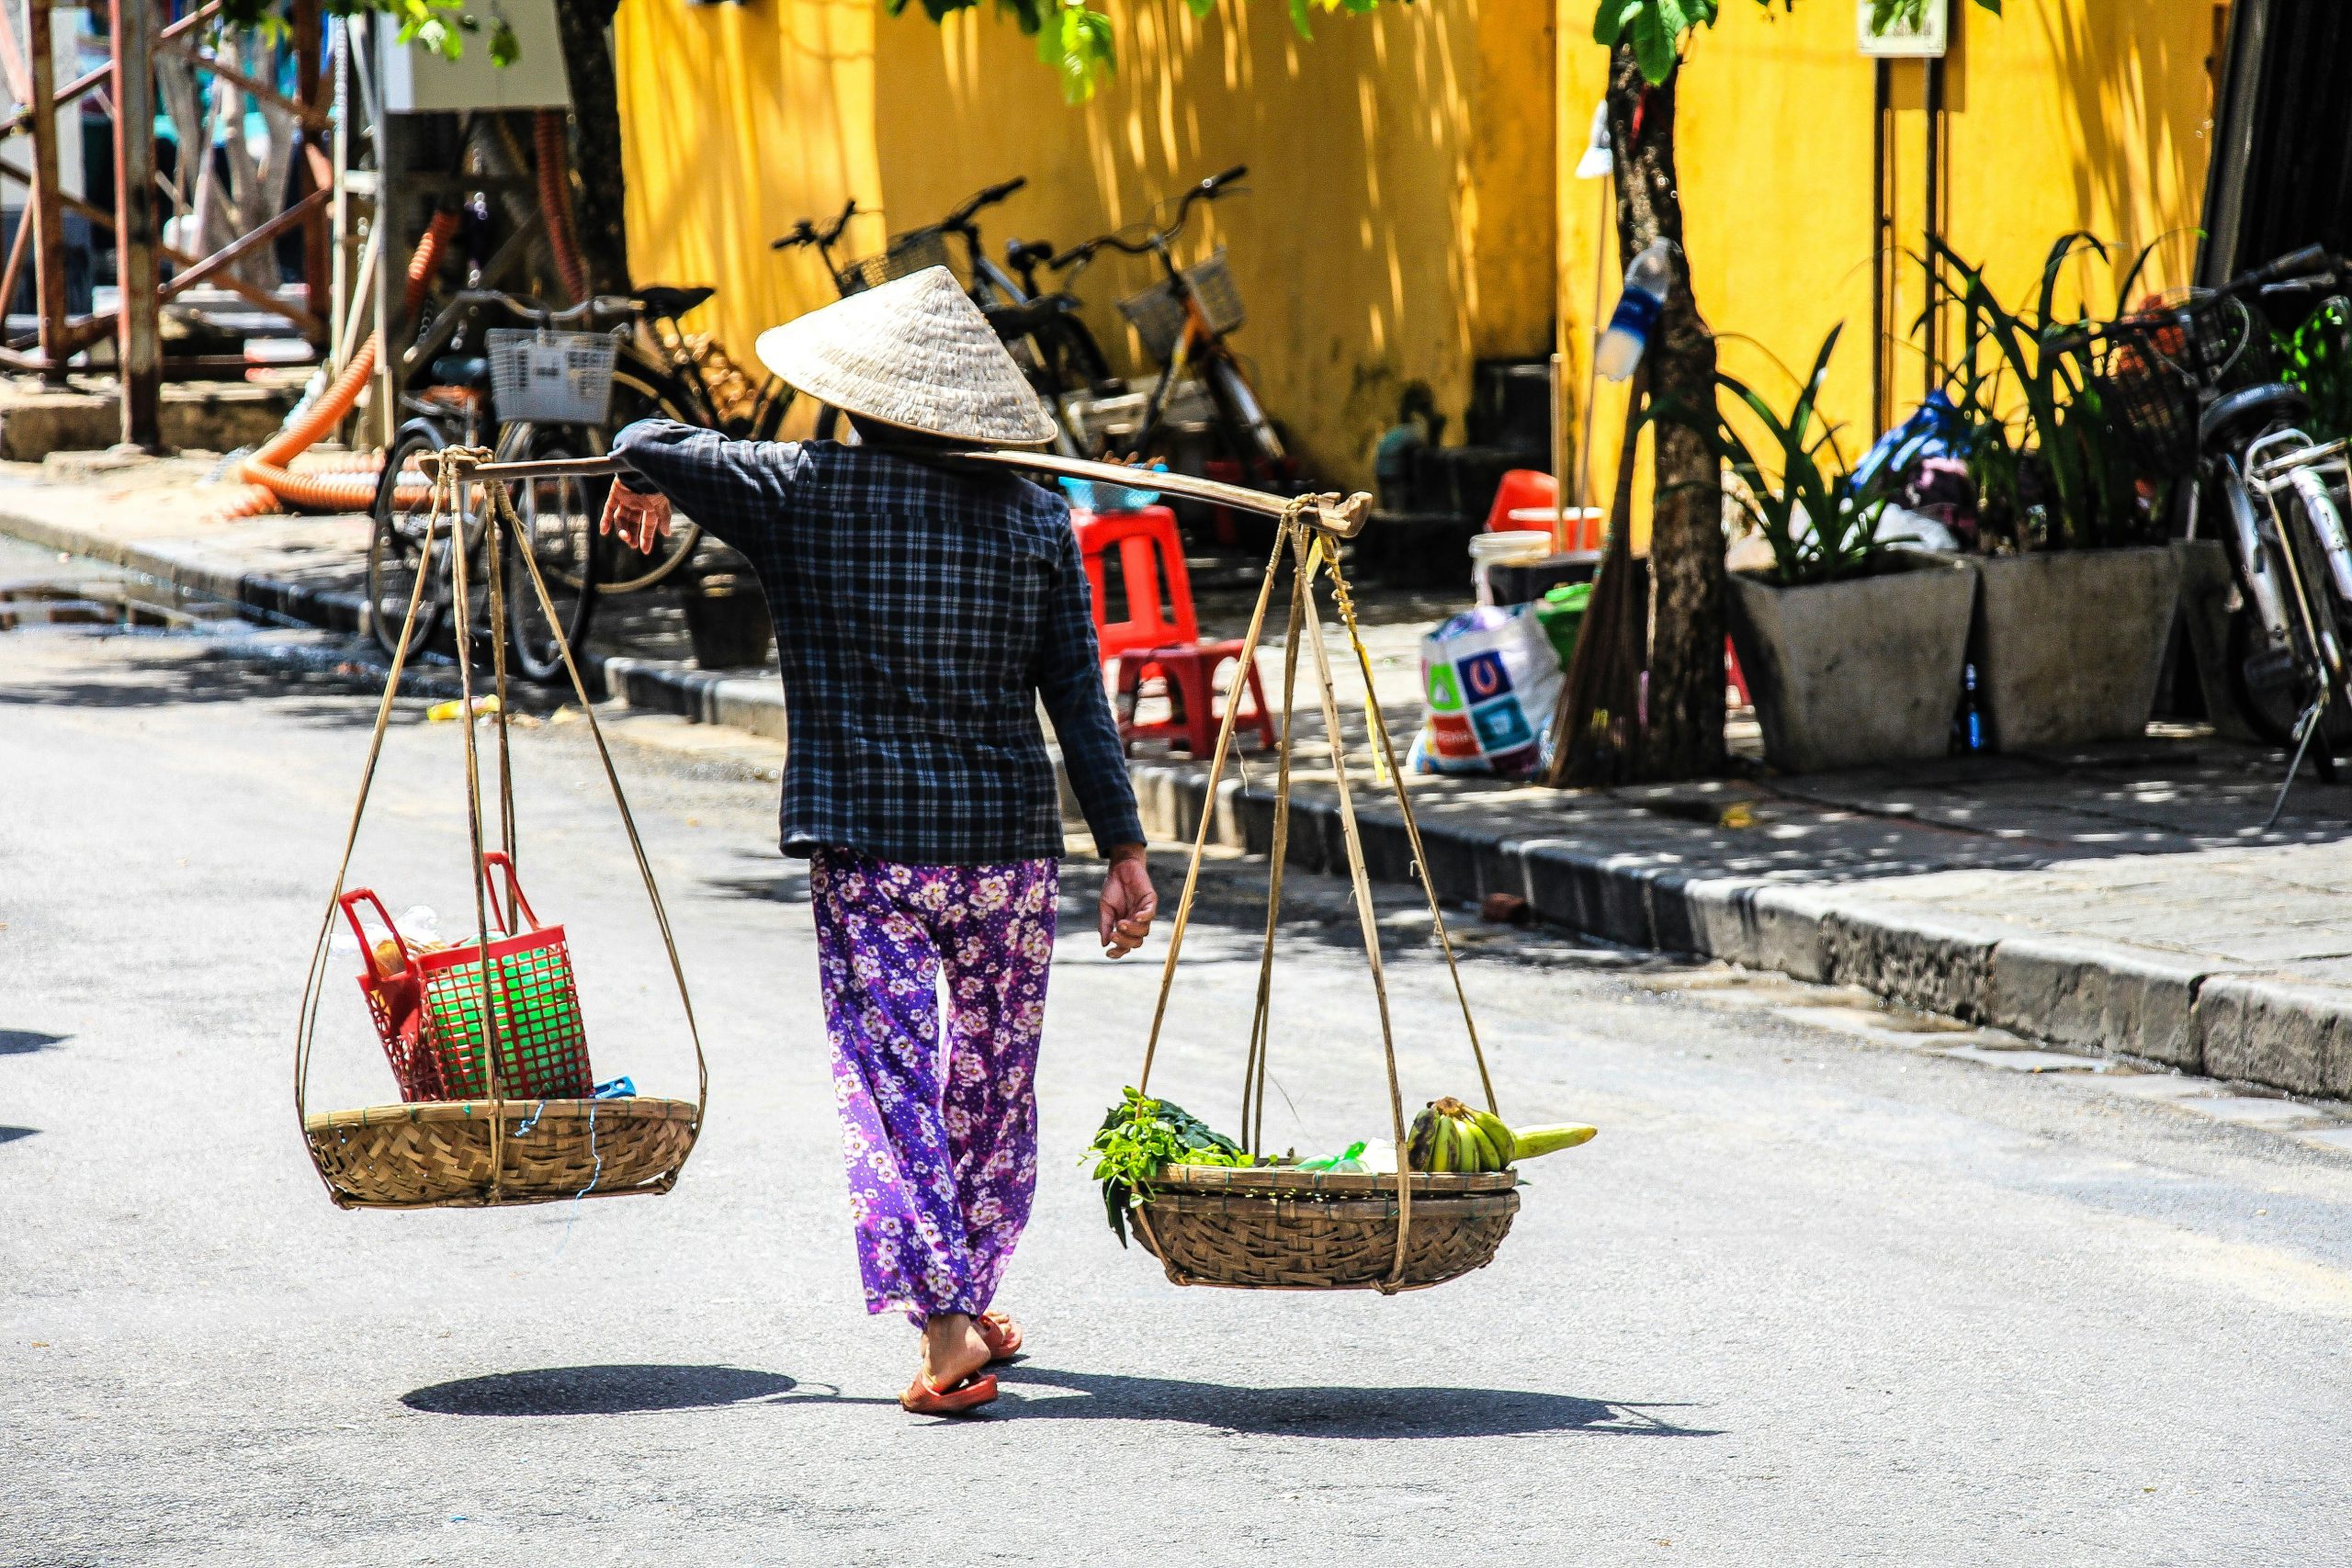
(919,614)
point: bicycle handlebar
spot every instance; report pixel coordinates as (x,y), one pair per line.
(607,306)
(2295,264)
(1208,189)
(2310,266)
(963,215)
(805,232)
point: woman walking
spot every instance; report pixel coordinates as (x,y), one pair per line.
(922,611)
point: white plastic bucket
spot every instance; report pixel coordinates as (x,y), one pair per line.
(1489,550)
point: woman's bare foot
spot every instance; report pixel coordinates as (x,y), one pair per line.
(951,1350)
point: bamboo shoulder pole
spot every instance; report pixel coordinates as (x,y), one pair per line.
(1342,518)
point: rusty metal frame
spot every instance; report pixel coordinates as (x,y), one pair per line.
(137,36)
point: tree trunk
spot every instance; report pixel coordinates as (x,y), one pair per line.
(1684,735)
(596,142)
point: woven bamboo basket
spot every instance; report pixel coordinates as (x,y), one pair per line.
(436,1154)
(1297,1230)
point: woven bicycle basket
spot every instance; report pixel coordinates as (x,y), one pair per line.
(1296,1230)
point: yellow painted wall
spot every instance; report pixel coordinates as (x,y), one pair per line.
(2063,115)
(1399,220)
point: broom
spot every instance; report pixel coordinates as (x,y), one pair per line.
(1596,729)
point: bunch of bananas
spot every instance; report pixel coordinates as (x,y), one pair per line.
(1449,1135)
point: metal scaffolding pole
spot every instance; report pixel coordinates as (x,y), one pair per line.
(138,334)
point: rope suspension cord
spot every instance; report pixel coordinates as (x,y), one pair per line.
(315,985)
(445,483)
(1312,550)
(1208,807)
(1365,916)
(1253,1085)
(1377,724)
(451,473)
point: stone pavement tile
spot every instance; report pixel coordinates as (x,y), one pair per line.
(2240,936)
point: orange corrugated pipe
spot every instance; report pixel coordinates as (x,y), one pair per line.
(555,199)
(268,484)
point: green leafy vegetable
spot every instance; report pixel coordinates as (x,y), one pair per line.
(1139,1136)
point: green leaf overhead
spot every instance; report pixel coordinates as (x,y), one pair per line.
(1655,28)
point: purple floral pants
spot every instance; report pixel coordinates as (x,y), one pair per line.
(938,1128)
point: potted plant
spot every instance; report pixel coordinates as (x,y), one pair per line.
(2079,583)
(1852,650)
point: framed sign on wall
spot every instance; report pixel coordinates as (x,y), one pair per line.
(1886,30)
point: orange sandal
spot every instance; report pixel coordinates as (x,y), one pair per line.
(921,1399)
(999,1333)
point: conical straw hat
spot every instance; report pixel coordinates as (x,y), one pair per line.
(913,352)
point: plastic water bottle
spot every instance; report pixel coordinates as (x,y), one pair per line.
(1647,283)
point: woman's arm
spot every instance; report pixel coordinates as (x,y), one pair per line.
(1069,680)
(736,490)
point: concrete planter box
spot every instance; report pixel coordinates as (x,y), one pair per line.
(1865,671)
(2074,642)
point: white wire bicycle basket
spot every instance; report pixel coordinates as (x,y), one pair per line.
(1157,314)
(908,253)
(550,377)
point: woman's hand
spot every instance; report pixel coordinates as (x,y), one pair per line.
(638,519)
(1128,902)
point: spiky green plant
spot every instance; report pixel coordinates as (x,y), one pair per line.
(2053,469)
(1795,489)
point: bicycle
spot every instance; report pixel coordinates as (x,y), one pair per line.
(1042,328)
(2196,386)
(1184,321)
(455,407)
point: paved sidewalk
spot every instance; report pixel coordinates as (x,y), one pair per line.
(2118,897)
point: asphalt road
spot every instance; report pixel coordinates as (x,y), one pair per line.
(1806,1300)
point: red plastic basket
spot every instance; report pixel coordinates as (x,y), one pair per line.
(430,1016)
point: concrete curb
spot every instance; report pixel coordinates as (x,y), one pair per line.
(2274,1030)
(277,597)
(2165,1008)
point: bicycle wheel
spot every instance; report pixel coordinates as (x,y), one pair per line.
(1070,358)
(558,518)
(1248,431)
(2270,686)
(639,395)
(396,549)
(2277,684)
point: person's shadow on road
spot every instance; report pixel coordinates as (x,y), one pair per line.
(1031,1391)
(1323,1411)
(598,1391)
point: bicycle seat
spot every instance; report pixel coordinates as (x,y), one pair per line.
(663,300)
(2247,413)
(1029,253)
(460,370)
(1019,321)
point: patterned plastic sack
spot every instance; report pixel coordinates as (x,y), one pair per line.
(1490,680)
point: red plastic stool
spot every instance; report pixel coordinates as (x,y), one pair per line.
(1155,645)
(1522,490)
